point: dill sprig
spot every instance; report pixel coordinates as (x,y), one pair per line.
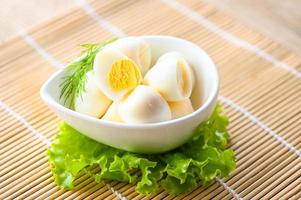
(74,82)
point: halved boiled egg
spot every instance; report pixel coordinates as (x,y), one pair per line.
(112,113)
(136,49)
(142,105)
(115,73)
(180,108)
(171,76)
(91,101)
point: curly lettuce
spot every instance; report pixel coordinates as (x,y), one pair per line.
(199,161)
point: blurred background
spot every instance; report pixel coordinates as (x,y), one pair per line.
(278,19)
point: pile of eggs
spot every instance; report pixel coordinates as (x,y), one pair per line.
(123,87)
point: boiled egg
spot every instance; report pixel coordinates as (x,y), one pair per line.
(144,105)
(136,49)
(112,113)
(91,101)
(180,108)
(115,73)
(171,76)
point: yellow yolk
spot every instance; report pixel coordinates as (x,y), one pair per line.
(124,74)
(182,77)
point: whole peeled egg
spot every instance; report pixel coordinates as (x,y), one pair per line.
(91,101)
(171,76)
(142,105)
(115,73)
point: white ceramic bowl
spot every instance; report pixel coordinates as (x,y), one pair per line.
(155,137)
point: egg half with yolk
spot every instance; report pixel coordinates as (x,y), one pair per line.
(136,49)
(115,73)
(180,108)
(171,76)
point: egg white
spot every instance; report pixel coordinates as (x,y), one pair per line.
(180,108)
(112,113)
(91,101)
(144,105)
(102,66)
(136,49)
(171,76)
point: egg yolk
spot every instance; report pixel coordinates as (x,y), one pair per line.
(182,77)
(124,74)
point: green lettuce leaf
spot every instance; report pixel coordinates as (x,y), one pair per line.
(199,161)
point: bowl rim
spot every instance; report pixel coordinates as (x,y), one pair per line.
(211,98)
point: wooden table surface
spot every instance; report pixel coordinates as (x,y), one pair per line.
(279,19)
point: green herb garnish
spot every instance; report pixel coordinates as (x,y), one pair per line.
(74,82)
(199,161)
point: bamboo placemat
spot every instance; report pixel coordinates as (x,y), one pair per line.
(260,91)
